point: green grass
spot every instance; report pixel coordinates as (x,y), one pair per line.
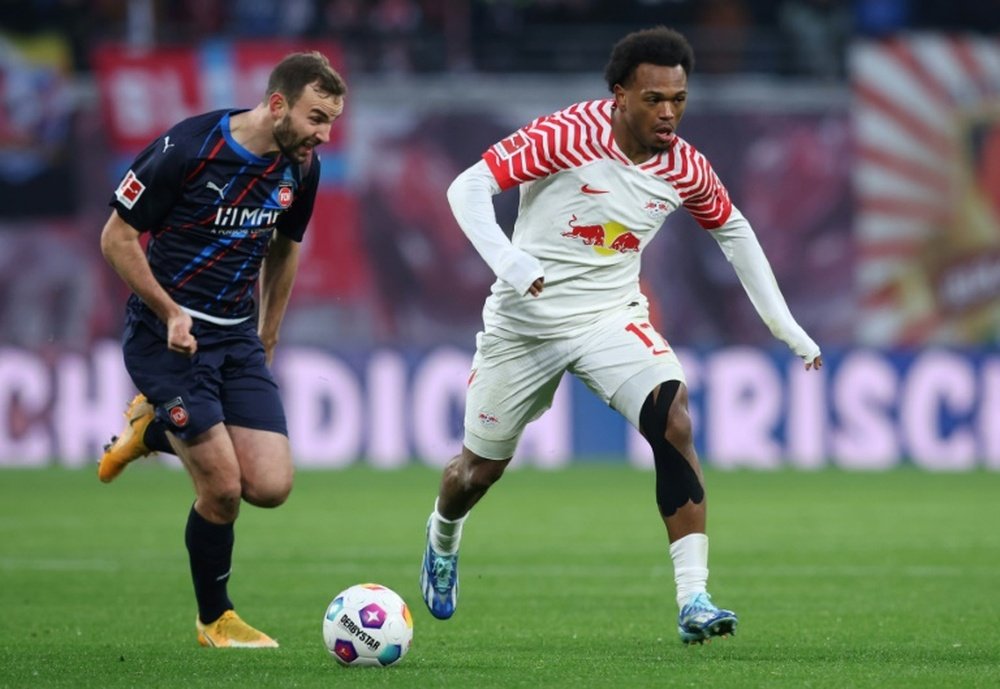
(840,580)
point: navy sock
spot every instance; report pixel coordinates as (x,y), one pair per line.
(210,550)
(155,437)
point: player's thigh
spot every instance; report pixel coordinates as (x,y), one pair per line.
(255,417)
(265,464)
(622,359)
(513,382)
(210,459)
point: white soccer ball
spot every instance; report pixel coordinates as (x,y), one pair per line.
(368,624)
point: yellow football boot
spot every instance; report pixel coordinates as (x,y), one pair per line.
(229,631)
(129,445)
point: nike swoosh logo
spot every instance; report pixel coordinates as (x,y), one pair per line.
(587,189)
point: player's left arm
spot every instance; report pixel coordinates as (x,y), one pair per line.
(277,275)
(743,251)
(277,272)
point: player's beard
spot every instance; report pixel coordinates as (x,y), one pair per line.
(289,142)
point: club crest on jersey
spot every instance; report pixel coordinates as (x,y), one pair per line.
(285,195)
(130,189)
(177,412)
(511,145)
(656,208)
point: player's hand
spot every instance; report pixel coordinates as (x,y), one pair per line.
(179,337)
(816,363)
(270,343)
(536,287)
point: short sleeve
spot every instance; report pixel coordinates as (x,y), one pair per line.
(151,185)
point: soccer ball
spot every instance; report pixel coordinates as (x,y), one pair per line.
(368,624)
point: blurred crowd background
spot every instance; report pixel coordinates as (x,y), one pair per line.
(84,84)
(778,37)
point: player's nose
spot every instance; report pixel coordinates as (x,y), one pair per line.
(323,134)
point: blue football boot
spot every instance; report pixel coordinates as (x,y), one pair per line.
(700,620)
(439,582)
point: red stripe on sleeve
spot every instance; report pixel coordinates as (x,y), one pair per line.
(560,141)
(700,189)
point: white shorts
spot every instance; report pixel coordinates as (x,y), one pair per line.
(513,381)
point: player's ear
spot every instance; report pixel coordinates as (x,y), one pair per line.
(277,105)
(619,93)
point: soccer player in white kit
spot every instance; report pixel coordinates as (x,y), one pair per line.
(596,181)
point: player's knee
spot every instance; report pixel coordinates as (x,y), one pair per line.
(270,494)
(655,415)
(486,473)
(476,474)
(665,414)
(666,425)
(220,502)
(678,424)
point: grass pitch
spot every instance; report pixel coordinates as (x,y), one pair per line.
(840,580)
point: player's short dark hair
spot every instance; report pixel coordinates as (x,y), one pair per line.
(298,70)
(656,46)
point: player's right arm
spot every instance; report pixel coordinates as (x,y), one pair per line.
(120,246)
(471,200)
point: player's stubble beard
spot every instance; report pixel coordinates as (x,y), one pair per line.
(289,141)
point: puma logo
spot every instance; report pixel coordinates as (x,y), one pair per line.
(221,191)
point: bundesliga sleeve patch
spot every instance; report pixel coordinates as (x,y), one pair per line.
(509,146)
(129,191)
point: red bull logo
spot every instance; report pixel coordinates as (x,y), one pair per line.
(590,235)
(607,239)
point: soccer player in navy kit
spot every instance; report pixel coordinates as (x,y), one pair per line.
(225,197)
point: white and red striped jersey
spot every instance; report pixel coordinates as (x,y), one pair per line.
(587,212)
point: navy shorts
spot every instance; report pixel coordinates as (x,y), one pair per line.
(227,380)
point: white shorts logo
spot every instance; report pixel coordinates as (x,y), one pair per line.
(487,418)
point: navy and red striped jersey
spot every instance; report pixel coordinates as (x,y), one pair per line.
(211,207)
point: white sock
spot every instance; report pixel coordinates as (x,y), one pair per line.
(690,556)
(444,534)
